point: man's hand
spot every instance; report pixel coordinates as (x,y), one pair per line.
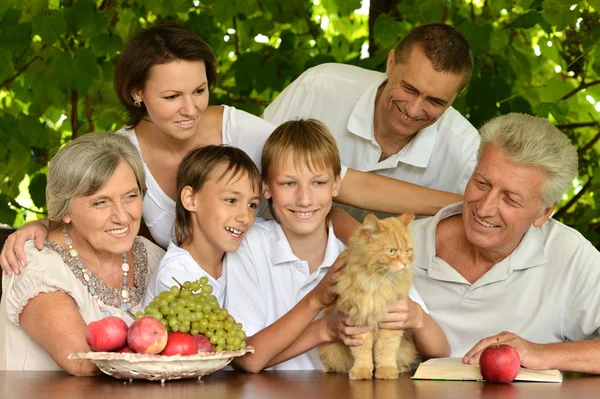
(530,353)
(13,257)
(405,314)
(342,329)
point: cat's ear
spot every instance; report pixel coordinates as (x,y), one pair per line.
(406,218)
(371,223)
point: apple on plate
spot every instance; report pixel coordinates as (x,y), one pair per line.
(147,335)
(499,363)
(179,343)
(107,334)
(203,344)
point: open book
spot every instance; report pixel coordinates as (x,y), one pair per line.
(452,368)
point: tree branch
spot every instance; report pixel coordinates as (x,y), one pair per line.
(74,122)
(577,125)
(236,40)
(573,200)
(12,78)
(88,113)
(589,144)
(581,87)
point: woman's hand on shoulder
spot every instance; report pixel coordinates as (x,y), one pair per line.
(405,314)
(12,258)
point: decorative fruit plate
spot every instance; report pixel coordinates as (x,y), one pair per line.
(129,366)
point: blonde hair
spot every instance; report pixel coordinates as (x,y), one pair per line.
(534,141)
(312,146)
(84,165)
(195,170)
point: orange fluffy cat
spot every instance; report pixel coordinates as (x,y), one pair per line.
(378,272)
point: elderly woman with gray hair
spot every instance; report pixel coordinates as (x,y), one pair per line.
(91,267)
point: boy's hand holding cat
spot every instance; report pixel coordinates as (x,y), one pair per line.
(341,328)
(324,293)
(405,314)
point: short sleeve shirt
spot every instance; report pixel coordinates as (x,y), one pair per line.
(546,291)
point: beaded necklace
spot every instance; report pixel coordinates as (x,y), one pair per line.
(125,304)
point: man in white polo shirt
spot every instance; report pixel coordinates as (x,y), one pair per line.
(496,268)
(399,123)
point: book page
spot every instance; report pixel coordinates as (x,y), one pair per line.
(455,369)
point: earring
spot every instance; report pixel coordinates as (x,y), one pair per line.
(137,103)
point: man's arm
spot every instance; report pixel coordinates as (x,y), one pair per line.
(580,356)
(385,194)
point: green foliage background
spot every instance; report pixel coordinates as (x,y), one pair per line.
(57,59)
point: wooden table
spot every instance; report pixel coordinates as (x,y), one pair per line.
(280,385)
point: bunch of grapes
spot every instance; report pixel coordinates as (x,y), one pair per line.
(575,36)
(191,308)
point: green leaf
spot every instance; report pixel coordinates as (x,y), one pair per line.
(127,24)
(224,11)
(477,35)
(559,13)
(559,110)
(49,26)
(37,190)
(388,31)
(7,215)
(527,20)
(86,70)
(6,64)
(16,38)
(64,68)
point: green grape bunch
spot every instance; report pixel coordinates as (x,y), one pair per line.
(191,308)
(575,36)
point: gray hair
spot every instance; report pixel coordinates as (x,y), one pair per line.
(534,141)
(84,165)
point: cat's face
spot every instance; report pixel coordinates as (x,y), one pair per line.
(388,242)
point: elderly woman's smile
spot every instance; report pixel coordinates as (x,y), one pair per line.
(109,219)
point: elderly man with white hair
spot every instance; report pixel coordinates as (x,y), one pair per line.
(497,268)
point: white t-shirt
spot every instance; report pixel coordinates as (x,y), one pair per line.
(546,291)
(179,264)
(441,156)
(240,129)
(266,280)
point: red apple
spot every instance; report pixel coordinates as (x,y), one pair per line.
(203,344)
(179,343)
(125,349)
(499,363)
(147,335)
(107,334)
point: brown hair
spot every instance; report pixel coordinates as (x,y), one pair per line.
(159,44)
(310,141)
(195,169)
(446,48)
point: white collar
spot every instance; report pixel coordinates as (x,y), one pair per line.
(529,253)
(281,251)
(416,153)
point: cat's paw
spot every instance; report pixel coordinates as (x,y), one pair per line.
(327,369)
(360,373)
(386,373)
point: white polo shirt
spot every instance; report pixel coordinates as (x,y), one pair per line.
(266,280)
(441,156)
(178,263)
(546,291)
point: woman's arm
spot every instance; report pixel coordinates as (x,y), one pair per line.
(52,320)
(271,342)
(385,194)
(343,224)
